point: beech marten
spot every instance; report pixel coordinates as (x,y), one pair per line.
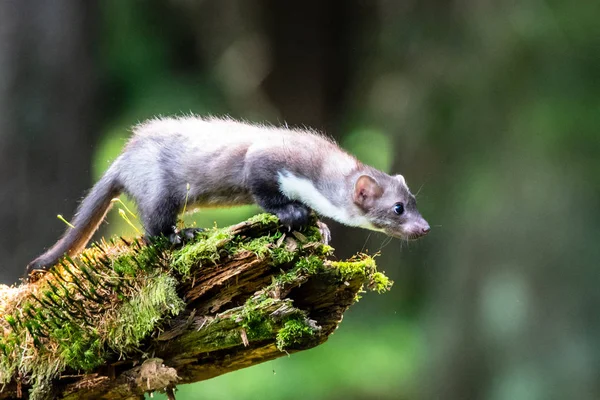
(222,162)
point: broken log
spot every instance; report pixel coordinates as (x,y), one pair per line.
(125,317)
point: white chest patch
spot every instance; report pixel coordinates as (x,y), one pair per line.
(304,191)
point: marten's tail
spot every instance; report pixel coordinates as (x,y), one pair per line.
(89,215)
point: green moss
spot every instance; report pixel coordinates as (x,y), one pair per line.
(266,246)
(222,340)
(140,257)
(264,219)
(126,265)
(294,331)
(80,347)
(50,318)
(41,388)
(324,250)
(261,246)
(259,323)
(362,266)
(205,248)
(312,234)
(8,345)
(310,265)
(137,317)
(259,329)
(280,255)
(74,345)
(380,283)
(67,324)
(254,319)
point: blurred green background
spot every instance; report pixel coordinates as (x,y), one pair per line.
(490,109)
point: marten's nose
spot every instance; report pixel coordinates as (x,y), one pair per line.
(424,228)
(421,227)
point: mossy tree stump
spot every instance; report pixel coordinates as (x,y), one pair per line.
(124,318)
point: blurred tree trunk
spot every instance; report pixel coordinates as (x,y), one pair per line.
(46,122)
(312,45)
(292,61)
(317,49)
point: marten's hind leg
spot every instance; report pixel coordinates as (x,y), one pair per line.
(160,218)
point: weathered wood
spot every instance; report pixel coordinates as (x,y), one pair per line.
(256,294)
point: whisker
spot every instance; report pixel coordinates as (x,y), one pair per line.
(389,241)
(381,245)
(366,240)
(385,242)
(419,191)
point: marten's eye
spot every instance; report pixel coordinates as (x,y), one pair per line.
(399,208)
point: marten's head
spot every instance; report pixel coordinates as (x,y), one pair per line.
(389,206)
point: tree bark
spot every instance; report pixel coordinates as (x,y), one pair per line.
(251,293)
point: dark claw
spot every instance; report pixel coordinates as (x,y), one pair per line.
(174,238)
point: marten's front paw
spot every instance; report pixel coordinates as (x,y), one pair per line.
(293,216)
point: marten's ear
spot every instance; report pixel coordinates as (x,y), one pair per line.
(400,178)
(366,191)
